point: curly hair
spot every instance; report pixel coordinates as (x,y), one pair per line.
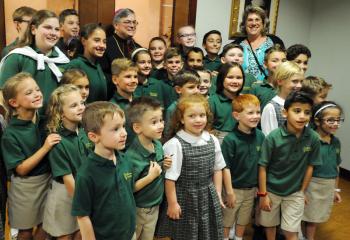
(260,12)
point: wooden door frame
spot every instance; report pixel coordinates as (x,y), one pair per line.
(2,25)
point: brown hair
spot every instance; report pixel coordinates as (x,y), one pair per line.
(20,12)
(260,12)
(70,75)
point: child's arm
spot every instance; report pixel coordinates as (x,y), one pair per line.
(264,202)
(230,195)
(28,164)
(217,179)
(69,183)
(86,229)
(174,209)
(154,171)
(337,197)
(306,181)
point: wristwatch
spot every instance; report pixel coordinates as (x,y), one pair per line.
(261,194)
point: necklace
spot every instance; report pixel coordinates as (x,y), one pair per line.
(120,50)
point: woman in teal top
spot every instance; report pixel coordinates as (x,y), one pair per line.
(93,39)
(36,54)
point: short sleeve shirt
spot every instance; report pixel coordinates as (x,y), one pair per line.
(221,107)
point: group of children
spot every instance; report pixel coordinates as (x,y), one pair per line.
(83,168)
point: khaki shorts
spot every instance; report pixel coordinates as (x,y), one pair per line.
(241,214)
(58,220)
(146,220)
(320,195)
(290,208)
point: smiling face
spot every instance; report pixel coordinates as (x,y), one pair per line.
(144,63)
(233,81)
(194,119)
(72,108)
(248,118)
(126,82)
(213,44)
(330,122)
(173,65)
(297,115)
(205,84)
(303,61)
(293,83)
(195,60)
(95,44)
(187,36)
(274,60)
(157,49)
(70,27)
(46,34)
(126,27)
(254,24)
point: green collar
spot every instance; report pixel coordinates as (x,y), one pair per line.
(146,154)
(241,134)
(104,162)
(86,61)
(285,132)
(222,97)
(119,98)
(14,121)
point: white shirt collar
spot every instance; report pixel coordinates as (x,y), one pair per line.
(279,100)
(205,136)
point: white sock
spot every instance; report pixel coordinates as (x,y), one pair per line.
(238,238)
(232,232)
(226,238)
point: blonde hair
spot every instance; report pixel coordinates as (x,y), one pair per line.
(182,105)
(9,91)
(54,109)
(285,71)
(95,114)
(70,75)
(121,65)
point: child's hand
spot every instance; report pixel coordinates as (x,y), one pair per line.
(51,140)
(265,203)
(230,200)
(337,197)
(154,170)
(174,211)
(167,162)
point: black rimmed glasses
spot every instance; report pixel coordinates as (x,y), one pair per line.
(332,121)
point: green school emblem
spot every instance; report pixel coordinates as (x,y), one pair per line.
(153,94)
(337,150)
(258,148)
(127,175)
(307,149)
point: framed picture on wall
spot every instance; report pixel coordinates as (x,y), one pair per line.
(237,10)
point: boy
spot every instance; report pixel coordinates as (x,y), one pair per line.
(300,54)
(288,156)
(146,154)
(21,18)
(186,39)
(69,26)
(194,58)
(103,201)
(124,77)
(317,88)
(212,41)
(241,150)
(205,84)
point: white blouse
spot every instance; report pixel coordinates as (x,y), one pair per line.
(268,117)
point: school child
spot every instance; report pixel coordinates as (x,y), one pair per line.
(185,39)
(212,41)
(323,188)
(74,48)
(300,54)
(147,86)
(288,155)
(205,81)
(194,58)
(193,183)
(317,88)
(103,197)
(173,64)
(24,152)
(93,39)
(229,84)
(21,17)
(241,151)
(234,53)
(266,90)
(157,47)
(149,163)
(65,110)
(37,55)
(288,77)
(69,26)
(78,78)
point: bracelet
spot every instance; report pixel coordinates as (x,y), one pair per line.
(261,194)
(338,190)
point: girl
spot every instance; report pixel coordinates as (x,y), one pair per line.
(229,84)
(157,47)
(78,78)
(65,110)
(323,188)
(234,53)
(37,54)
(93,39)
(265,90)
(147,86)
(25,156)
(192,207)
(287,77)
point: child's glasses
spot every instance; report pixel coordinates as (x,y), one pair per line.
(332,121)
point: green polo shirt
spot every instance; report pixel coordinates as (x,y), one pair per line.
(46,80)
(20,140)
(212,89)
(221,107)
(169,92)
(104,192)
(212,65)
(287,157)
(248,83)
(330,153)
(97,80)
(241,152)
(67,156)
(8,48)
(151,88)
(152,194)
(123,103)
(264,92)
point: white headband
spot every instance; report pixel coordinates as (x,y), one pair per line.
(136,51)
(324,107)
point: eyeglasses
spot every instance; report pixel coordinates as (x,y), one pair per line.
(187,35)
(332,121)
(22,20)
(128,22)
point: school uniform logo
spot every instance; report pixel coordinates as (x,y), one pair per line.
(153,94)
(127,175)
(307,149)
(258,148)
(337,150)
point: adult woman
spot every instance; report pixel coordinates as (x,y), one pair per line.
(256,41)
